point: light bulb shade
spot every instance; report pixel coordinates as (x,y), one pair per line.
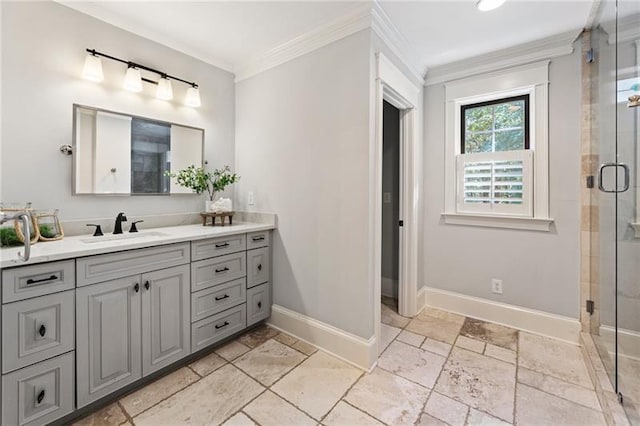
(133,80)
(193,97)
(164,92)
(486,5)
(92,70)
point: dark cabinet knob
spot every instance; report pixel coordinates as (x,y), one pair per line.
(226,323)
(40,397)
(147,284)
(259,305)
(42,330)
(136,287)
(222,297)
(260,267)
(225,269)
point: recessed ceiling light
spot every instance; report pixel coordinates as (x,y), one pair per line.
(485,5)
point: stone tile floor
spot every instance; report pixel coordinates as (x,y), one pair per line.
(437,368)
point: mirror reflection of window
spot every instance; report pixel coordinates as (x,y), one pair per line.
(150,156)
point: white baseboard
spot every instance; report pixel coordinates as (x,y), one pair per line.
(389,287)
(353,349)
(628,341)
(529,320)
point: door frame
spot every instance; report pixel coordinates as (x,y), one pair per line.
(394,87)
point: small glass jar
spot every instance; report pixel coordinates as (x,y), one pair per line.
(48,224)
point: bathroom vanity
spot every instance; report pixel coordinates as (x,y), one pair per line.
(87,317)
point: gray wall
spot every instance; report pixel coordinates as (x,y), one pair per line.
(302,147)
(43,52)
(391,185)
(540,270)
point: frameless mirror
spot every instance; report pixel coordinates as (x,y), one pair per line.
(121,154)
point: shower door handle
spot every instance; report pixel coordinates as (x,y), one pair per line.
(627,178)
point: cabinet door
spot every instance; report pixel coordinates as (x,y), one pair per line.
(258,303)
(258,266)
(108,337)
(166,322)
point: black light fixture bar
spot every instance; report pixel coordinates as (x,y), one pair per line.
(142,67)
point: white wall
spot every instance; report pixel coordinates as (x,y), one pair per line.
(43,51)
(540,270)
(302,147)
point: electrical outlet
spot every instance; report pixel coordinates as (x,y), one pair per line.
(496,286)
(250,199)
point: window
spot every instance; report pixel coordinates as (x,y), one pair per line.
(496,149)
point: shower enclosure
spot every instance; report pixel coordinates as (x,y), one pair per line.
(615,199)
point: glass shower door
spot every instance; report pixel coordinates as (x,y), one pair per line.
(628,208)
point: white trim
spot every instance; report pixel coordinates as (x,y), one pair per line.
(421,299)
(529,320)
(384,27)
(498,221)
(393,85)
(351,23)
(353,349)
(547,48)
(94,10)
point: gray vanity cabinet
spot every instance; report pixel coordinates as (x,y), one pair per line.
(166,322)
(131,327)
(108,345)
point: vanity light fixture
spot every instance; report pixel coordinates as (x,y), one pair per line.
(92,70)
(133,78)
(193,96)
(486,5)
(164,92)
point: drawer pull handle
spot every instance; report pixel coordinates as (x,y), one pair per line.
(222,245)
(260,267)
(42,330)
(225,269)
(147,284)
(136,287)
(40,397)
(261,238)
(51,278)
(259,305)
(222,297)
(226,323)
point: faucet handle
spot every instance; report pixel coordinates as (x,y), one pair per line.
(122,217)
(98,232)
(133,226)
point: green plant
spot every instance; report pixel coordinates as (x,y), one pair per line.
(8,237)
(198,180)
(47,231)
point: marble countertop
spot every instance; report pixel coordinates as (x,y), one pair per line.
(87,245)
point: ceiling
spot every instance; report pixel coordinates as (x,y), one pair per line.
(229,34)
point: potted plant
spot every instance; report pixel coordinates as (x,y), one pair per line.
(199,180)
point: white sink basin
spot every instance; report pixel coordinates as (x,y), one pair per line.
(127,236)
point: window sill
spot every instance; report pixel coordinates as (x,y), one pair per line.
(494,221)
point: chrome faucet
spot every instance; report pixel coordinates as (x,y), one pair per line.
(25,217)
(118,228)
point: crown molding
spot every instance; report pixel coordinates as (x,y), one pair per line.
(547,48)
(94,10)
(351,23)
(627,30)
(398,44)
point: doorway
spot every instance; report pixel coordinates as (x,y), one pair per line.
(391,202)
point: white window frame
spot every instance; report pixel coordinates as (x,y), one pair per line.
(530,79)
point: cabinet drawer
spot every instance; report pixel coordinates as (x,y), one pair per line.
(218,246)
(210,330)
(105,267)
(210,272)
(258,239)
(258,303)
(36,329)
(259,266)
(37,280)
(39,394)
(217,299)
